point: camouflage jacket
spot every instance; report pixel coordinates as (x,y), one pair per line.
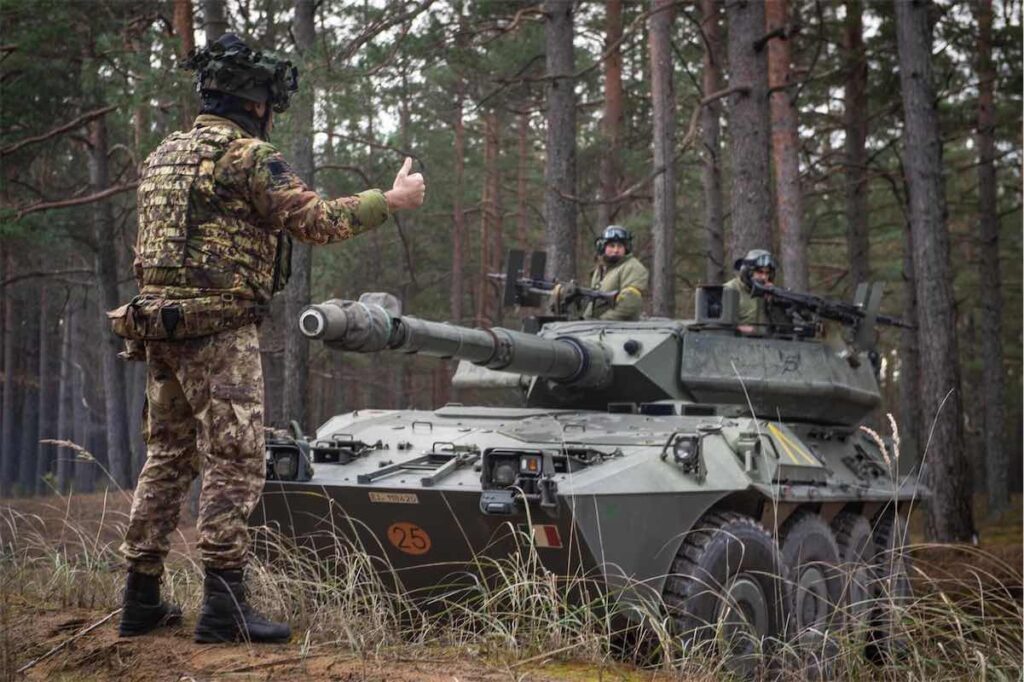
(628,277)
(217,209)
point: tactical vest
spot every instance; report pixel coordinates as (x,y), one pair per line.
(201,239)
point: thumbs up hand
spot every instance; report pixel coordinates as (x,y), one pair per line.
(408,190)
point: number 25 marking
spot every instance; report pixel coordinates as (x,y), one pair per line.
(409,538)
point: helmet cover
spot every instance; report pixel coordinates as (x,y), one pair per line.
(229,65)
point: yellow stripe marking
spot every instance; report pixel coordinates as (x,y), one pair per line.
(780,441)
(789,443)
(633,289)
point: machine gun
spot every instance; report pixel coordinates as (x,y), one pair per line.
(861,315)
(522,289)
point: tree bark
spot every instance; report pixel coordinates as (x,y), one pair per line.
(909,367)
(748,129)
(944,463)
(48,394)
(991,304)
(711,166)
(297,293)
(118,453)
(786,148)
(29,422)
(614,116)
(65,416)
(488,305)
(214,19)
(663,300)
(560,169)
(9,461)
(183,29)
(522,168)
(855,123)
(458,214)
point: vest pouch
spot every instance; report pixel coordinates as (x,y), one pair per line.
(150,318)
(146,318)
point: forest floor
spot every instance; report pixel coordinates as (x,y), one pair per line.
(33,626)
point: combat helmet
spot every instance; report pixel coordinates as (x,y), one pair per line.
(756,259)
(614,233)
(230,66)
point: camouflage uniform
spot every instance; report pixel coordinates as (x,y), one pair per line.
(628,277)
(216,210)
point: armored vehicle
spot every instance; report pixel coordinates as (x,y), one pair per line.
(719,475)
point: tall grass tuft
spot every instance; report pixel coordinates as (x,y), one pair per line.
(958,624)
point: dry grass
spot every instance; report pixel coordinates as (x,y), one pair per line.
(964,622)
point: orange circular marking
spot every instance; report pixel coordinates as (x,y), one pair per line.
(409,538)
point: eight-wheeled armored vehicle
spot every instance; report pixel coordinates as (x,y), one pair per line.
(677,462)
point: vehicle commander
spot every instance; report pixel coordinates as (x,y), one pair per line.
(617,271)
(217,208)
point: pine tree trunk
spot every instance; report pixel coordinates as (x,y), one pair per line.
(614,116)
(663,300)
(81,430)
(9,461)
(49,385)
(786,148)
(182,22)
(855,123)
(215,20)
(458,215)
(946,472)
(522,195)
(490,217)
(560,169)
(29,422)
(65,416)
(991,303)
(909,368)
(297,293)
(748,129)
(711,166)
(118,452)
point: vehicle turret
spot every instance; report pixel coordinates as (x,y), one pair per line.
(657,366)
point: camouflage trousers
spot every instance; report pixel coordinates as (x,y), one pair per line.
(204,412)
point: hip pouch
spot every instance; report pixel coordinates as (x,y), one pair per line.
(151,318)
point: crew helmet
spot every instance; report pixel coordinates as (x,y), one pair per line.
(756,259)
(229,65)
(615,233)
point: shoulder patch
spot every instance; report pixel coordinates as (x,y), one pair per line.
(281,173)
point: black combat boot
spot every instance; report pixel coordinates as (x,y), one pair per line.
(226,615)
(142,610)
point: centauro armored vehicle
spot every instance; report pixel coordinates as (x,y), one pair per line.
(723,475)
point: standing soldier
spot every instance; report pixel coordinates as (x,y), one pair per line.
(218,206)
(617,270)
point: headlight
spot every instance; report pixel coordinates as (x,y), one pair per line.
(285,465)
(686,449)
(504,474)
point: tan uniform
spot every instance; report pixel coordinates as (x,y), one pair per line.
(628,277)
(754,311)
(216,210)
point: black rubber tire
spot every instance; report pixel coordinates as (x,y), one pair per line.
(811,559)
(857,569)
(893,590)
(726,575)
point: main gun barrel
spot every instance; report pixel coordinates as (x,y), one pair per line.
(367,327)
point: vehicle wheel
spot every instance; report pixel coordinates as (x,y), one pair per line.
(725,590)
(892,591)
(856,568)
(811,558)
